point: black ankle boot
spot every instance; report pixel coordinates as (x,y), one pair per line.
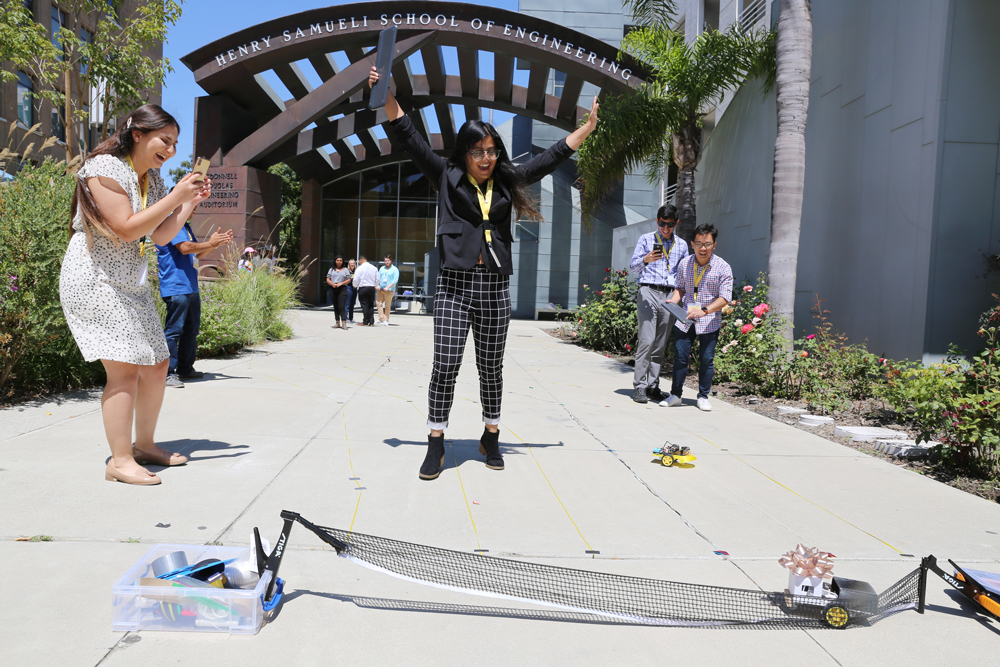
(434,460)
(489,446)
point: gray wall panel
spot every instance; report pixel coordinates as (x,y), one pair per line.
(881,49)
(855,54)
(965,214)
(973,91)
(910,61)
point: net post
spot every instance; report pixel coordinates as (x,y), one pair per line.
(274,558)
(925,564)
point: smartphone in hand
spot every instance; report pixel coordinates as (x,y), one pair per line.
(200,167)
(658,247)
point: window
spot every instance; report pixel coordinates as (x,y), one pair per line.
(559,83)
(58,130)
(59,20)
(25,110)
(88,37)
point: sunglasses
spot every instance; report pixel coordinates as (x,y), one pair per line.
(667,223)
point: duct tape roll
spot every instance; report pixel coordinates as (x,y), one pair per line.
(174,560)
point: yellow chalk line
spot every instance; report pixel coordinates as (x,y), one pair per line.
(468,507)
(350,461)
(546,478)
(792,491)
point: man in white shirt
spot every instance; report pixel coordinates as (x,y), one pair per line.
(366,280)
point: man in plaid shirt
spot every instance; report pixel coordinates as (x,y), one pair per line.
(705,286)
(655,260)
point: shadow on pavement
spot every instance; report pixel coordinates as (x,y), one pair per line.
(188,447)
(468,450)
(208,377)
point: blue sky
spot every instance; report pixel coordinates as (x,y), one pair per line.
(203,22)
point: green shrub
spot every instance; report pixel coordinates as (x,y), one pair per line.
(244,308)
(608,320)
(37,350)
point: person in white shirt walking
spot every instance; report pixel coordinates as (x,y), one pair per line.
(388,277)
(366,282)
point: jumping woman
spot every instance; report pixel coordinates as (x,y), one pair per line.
(477,187)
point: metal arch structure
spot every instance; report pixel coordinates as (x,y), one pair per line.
(243,126)
(232,68)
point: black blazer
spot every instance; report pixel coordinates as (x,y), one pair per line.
(461,236)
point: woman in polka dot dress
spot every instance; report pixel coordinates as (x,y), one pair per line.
(119,210)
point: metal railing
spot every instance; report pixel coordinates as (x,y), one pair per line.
(754,12)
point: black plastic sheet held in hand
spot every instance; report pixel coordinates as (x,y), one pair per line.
(383,65)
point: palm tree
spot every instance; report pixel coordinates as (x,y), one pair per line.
(793,65)
(663,119)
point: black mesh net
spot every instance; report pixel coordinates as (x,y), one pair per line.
(632,599)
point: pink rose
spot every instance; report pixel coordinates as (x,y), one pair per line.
(628,347)
(748,288)
(761,310)
(803,354)
(747,328)
(810,336)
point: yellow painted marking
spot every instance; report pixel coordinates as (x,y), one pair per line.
(468,507)
(544,476)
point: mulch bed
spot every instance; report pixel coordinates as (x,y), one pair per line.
(864,413)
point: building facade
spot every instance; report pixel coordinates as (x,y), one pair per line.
(22,108)
(902,183)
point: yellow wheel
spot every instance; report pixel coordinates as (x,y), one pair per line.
(836,616)
(667,460)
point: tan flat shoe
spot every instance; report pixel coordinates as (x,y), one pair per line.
(144,458)
(145,478)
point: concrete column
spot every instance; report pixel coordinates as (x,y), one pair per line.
(312,288)
(244,199)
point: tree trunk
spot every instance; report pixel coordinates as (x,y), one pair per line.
(794,62)
(68,118)
(687,153)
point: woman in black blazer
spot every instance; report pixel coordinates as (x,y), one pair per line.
(477,187)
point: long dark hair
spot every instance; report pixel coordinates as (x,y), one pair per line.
(146,118)
(505,171)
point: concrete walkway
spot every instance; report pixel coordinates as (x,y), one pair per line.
(287,427)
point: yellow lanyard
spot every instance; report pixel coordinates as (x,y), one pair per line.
(485,201)
(697,278)
(144,197)
(666,252)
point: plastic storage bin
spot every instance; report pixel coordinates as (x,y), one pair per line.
(209,609)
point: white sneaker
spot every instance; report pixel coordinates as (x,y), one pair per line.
(671,402)
(704,405)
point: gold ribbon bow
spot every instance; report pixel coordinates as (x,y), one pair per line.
(808,562)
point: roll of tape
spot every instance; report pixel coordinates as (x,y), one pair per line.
(174,560)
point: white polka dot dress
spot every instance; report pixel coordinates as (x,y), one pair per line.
(111,315)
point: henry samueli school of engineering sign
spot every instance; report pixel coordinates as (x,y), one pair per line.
(486,28)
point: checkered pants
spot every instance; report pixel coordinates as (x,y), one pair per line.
(481,299)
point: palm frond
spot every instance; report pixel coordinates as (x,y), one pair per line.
(652,13)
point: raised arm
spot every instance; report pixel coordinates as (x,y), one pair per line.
(429,162)
(542,165)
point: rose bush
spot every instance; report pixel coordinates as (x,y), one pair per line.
(608,320)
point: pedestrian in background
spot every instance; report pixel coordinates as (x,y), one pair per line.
(179,291)
(388,278)
(336,279)
(655,260)
(366,282)
(246,259)
(352,292)
(705,287)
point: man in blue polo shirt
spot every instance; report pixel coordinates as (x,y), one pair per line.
(179,290)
